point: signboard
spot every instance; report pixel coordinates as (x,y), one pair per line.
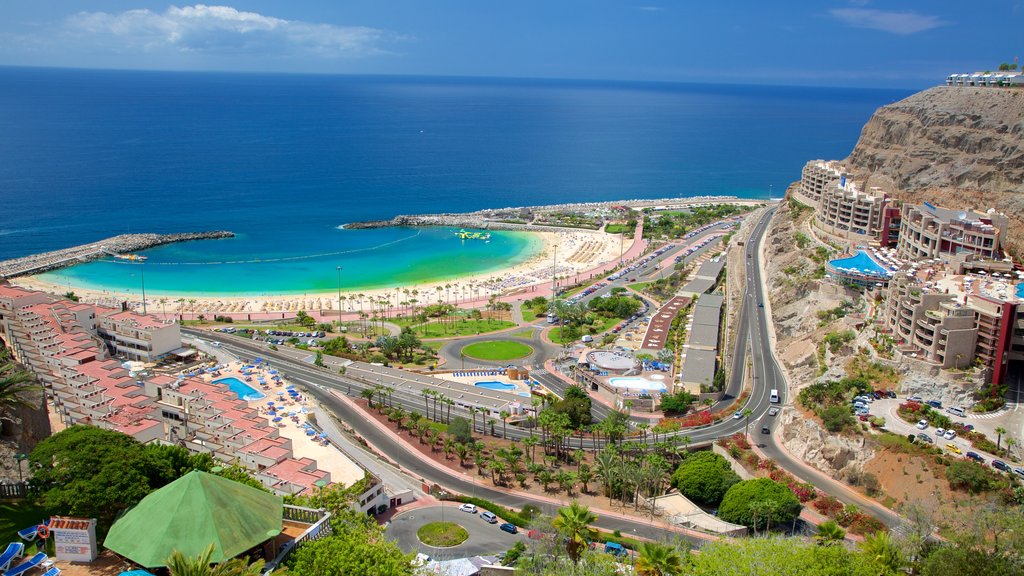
(74,538)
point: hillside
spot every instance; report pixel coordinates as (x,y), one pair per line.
(947,145)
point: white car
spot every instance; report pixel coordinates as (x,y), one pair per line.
(737,415)
(940,432)
(922,425)
(471,508)
(949,435)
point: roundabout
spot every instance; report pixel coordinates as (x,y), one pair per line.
(500,350)
(442,534)
(481,538)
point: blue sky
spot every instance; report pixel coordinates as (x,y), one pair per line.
(845,43)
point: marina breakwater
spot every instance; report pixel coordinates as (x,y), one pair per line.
(117,245)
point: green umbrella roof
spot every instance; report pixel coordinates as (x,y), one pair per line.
(191,513)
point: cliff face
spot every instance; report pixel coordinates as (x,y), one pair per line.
(961,147)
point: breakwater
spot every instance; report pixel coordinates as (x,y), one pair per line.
(530,217)
(123,244)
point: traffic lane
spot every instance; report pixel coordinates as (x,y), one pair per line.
(484,538)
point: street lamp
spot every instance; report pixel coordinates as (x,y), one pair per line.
(339,298)
(20,457)
(442,495)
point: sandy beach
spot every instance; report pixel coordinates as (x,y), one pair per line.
(572,252)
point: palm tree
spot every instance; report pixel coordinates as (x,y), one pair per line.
(658,559)
(746,425)
(180,565)
(585,475)
(461,450)
(16,389)
(999,438)
(530,443)
(504,414)
(368,394)
(606,470)
(573,522)
(829,533)
(884,550)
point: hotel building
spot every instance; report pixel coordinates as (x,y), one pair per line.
(952,320)
(928,231)
(68,347)
(818,174)
(846,211)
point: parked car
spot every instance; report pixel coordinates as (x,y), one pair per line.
(1000,465)
(508,527)
(922,425)
(925,438)
(489,517)
(953,448)
(890,394)
(975,456)
(471,508)
(949,435)
(934,404)
(914,399)
(939,432)
(1019,472)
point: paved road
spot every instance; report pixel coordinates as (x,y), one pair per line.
(484,539)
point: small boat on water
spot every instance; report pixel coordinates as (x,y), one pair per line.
(464,235)
(131,257)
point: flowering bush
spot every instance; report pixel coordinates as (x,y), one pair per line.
(847,515)
(699,419)
(767,464)
(864,524)
(740,441)
(828,505)
(803,491)
(780,475)
(753,460)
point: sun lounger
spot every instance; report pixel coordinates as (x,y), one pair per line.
(27,565)
(13,552)
(53,571)
(29,534)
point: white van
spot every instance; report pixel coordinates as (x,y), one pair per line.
(773,397)
(957,412)
(587,338)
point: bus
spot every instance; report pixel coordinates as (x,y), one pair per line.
(773,397)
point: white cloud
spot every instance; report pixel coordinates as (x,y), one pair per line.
(223,30)
(902,23)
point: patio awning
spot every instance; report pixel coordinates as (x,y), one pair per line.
(183,352)
(191,513)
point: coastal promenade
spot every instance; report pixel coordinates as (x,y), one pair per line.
(117,245)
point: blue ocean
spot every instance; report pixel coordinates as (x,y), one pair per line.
(285,160)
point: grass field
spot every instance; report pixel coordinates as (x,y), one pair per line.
(497,350)
(442,534)
(461,328)
(618,228)
(15,516)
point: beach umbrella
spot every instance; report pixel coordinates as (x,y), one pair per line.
(277,419)
(280,393)
(273,371)
(323,434)
(310,432)
(270,403)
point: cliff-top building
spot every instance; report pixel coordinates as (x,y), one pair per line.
(928,231)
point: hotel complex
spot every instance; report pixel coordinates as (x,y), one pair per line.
(949,295)
(71,348)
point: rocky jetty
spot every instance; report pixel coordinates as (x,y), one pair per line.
(954,146)
(123,244)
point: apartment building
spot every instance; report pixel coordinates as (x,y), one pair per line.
(953,321)
(60,342)
(816,175)
(138,337)
(928,231)
(848,212)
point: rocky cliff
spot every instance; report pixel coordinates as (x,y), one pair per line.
(951,146)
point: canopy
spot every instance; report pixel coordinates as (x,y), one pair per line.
(191,513)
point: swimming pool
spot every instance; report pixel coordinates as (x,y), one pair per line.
(860,263)
(637,383)
(241,389)
(1020,290)
(501,386)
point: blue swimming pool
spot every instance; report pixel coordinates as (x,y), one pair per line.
(243,390)
(1020,290)
(860,263)
(502,386)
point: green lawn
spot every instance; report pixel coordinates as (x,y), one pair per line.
(618,228)
(461,328)
(15,516)
(497,350)
(442,534)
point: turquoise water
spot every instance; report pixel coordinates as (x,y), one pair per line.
(1020,290)
(861,262)
(637,384)
(502,386)
(241,389)
(291,260)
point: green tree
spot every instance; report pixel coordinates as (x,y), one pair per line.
(657,559)
(677,403)
(780,505)
(180,565)
(884,551)
(573,522)
(704,477)
(18,387)
(780,557)
(970,476)
(356,546)
(459,429)
(836,418)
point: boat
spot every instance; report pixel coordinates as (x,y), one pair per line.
(131,257)
(464,235)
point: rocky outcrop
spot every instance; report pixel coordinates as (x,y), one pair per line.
(838,456)
(954,146)
(19,434)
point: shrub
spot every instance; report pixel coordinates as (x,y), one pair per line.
(970,476)
(509,515)
(836,418)
(847,515)
(704,477)
(742,502)
(459,429)
(828,505)
(864,524)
